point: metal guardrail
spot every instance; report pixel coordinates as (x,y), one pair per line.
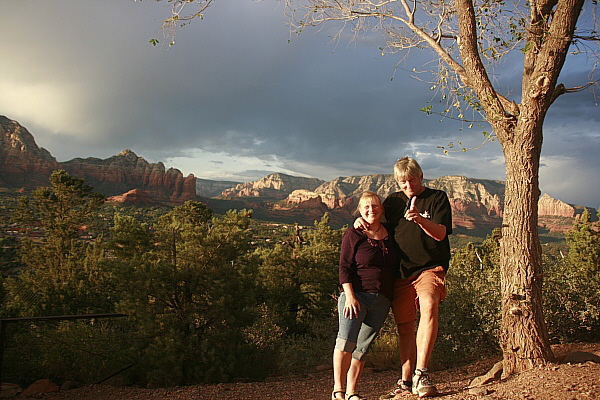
(5,321)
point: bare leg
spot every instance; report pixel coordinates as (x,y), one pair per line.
(341,365)
(354,373)
(428,329)
(408,349)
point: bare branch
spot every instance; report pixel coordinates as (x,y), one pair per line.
(588,38)
(178,19)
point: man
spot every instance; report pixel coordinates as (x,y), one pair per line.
(422,220)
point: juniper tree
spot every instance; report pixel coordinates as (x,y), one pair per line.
(63,272)
(299,276)
(572,297)
(188,295)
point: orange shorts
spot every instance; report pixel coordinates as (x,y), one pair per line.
(405,302)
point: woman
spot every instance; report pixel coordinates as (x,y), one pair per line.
(368,259)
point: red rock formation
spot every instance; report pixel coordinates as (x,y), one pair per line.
(476,203)
(312,203)
(276,186)
(22,163)
(135,196)
(127,171)
(185,189)
(548,206)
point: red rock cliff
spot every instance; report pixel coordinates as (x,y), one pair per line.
(127,171)
(22,162)
(25,165)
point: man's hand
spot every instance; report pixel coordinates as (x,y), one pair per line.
(412,214)
(361,224)
(433,230)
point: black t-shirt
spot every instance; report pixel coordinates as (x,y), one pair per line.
(420,251)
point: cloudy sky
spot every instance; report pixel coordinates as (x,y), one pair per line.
(237,98)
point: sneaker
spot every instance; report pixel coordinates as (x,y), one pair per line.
(401,386)
(422,385)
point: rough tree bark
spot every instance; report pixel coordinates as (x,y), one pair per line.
(523,336)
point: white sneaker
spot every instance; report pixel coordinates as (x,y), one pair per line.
(422,384)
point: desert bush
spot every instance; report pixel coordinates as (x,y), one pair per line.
(84,351)
(189,296)
(298,278)
(572,287)
(203,305)
(470,314)
(302,352)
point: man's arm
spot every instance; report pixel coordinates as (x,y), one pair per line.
(433,230)
(361,224)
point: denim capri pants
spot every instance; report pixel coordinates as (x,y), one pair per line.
(357,334)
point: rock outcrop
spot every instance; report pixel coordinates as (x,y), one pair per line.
(275,186)
(305,199)
(22,162)
(128,178)
(549,206)
(468,197)
(137,197)
(24,165)
(343,192)
(127,171)
(472,196)
(209,188)
(556,216)
(476,203)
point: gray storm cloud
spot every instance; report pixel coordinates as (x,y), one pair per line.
(83,78)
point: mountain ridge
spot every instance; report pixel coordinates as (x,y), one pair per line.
(476,203)
(25,166)
(126,177)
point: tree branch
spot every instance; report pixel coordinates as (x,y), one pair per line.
(493,104)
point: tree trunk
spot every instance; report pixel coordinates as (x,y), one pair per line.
(523,336)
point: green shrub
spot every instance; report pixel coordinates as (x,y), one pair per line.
(572,287)
(469,317)
(85,351)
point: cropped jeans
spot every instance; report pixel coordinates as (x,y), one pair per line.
(357,334)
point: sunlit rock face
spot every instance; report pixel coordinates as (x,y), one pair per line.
(476,203)
(137,197)
(277,186)
(549,206)
(126,171)
(22,163)
(473,196)
(25,165)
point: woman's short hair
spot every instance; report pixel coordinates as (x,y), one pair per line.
(364,197)
(406,168)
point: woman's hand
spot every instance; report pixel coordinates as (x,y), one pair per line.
(351,307)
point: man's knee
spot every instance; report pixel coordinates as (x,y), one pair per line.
(428,303)
(406,328)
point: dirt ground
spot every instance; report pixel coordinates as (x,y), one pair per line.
(556,381)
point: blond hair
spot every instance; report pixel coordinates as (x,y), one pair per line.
(406,168)
(364,197)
